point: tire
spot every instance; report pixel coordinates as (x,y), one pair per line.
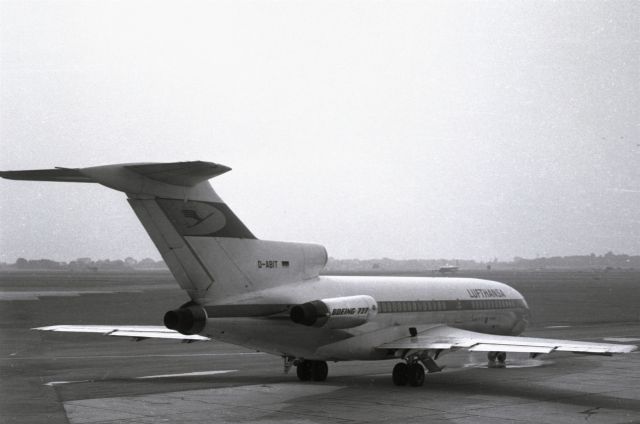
(415,373)
(400,376)
(303,371)
(319,370)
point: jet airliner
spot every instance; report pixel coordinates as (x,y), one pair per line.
(270,296)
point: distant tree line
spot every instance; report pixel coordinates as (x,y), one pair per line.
(609,260)
(85,264)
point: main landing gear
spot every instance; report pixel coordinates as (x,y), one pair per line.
(408,373)
(497,359)
(412,372)
(312,370)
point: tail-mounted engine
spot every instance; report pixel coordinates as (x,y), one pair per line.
(336,313)
(186,320)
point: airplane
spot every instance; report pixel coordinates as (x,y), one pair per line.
(270,296)
(448,268)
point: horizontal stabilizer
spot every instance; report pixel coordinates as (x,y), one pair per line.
(57,174)
(180,173)
(186,174)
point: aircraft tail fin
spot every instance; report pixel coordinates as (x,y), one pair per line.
(210,252)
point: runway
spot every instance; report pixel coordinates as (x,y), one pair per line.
(82,378)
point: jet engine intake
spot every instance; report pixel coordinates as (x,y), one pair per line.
(187,320)
(335,313)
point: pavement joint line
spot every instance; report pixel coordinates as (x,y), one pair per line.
(554,400)
(510,419)
(412,417)
(99,408)
(261,409)
(278,411)
(379,403)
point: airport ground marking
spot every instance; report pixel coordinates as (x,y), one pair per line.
(58,383)
(186,374)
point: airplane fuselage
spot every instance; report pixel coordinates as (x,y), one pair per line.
(401,303)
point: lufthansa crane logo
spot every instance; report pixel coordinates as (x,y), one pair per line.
(194,218)
(199,218)
(193,215)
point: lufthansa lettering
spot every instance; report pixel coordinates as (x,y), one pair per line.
(485,293)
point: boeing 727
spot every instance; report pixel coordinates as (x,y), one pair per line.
(270,296)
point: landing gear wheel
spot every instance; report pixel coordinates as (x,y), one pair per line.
(303,370)
(312,370)
(497,359)
(400,376)
(319,370)
(415,372)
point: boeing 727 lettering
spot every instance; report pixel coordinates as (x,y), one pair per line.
(270,296)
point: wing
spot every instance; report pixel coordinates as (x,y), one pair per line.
(448,338)
(138,332)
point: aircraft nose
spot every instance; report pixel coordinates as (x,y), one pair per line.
(523,315)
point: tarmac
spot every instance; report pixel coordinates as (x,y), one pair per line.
(84,378)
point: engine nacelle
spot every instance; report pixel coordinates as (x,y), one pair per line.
(186,320)
(336,313)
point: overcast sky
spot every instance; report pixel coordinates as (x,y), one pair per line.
(406,129)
